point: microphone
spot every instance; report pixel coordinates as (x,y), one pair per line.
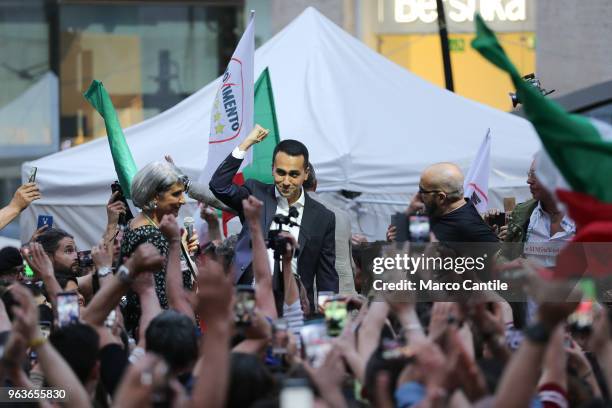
(188,224)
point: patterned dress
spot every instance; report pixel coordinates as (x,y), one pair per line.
(132,238)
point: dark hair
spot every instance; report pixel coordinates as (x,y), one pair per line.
(250,381)
(63,280)
(310,183)
(78,344)
(292,148)
(50,239)
(172,335)
(377,364)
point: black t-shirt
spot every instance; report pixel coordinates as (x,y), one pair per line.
(462,225)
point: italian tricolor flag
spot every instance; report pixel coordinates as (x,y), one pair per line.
(575,163)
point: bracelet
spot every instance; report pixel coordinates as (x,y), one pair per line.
(37,342)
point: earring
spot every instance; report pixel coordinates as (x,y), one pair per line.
(154,204)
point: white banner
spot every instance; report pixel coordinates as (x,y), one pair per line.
(476,184)
(232,113)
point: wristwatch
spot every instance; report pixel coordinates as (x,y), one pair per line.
(104,271)
(123,273)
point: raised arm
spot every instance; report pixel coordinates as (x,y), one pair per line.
(145,259)
(57,372)
(214,306)
(264,295)
(221,182)
(21,200)
(40,263)
(177,298)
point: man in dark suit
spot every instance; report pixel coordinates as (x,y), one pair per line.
(316,224)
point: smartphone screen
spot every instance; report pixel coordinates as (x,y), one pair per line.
(32,176)
(85,259)
(419,228)
(335,317)
(245,305)
(67,308)
(323,297)
(44,220)
(45,328)
(296,394)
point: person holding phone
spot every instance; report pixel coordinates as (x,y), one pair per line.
(22,198)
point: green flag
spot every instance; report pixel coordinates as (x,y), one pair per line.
(581,150)
(125,167)
(265,115)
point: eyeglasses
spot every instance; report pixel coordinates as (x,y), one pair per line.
(421,191)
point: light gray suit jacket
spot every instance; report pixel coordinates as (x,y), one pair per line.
(344,264)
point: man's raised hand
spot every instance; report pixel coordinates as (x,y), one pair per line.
(257,135)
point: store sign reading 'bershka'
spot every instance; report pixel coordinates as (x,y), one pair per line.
(459,11)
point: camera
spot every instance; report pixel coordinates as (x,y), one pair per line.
(275,241)
(124,218)
(532,80)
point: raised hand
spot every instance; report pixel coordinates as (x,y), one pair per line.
(101,255)
(169,227)
(114,209)
(146,258)
(215,294)
(37,258)
(24,196)
(252,209)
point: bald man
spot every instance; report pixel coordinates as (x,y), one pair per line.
(452,217)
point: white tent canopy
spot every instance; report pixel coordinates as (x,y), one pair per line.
(370,126)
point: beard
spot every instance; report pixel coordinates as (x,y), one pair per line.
(71,270)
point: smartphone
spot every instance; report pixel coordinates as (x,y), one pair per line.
(280,337)
(244,305)
(67,308)
(418,228)
(498,219)
(32,176)
(315,342)
(335,316)
(85,259)
(27,271)
(296,394)
(400,222)
(323,297)
(44,219)
(45,328)
(127,216)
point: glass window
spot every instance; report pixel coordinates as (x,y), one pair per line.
(149,57)
(603,113)
(28,101)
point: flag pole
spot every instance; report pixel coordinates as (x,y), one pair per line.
(448,69)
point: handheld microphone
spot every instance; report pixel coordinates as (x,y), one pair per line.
(188,224)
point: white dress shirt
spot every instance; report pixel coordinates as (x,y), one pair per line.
(282,207)
(539,244)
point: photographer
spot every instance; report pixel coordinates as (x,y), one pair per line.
(315,227)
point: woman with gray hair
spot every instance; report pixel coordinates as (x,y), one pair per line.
(158,190)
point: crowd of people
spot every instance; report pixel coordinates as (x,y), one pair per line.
(284,314)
